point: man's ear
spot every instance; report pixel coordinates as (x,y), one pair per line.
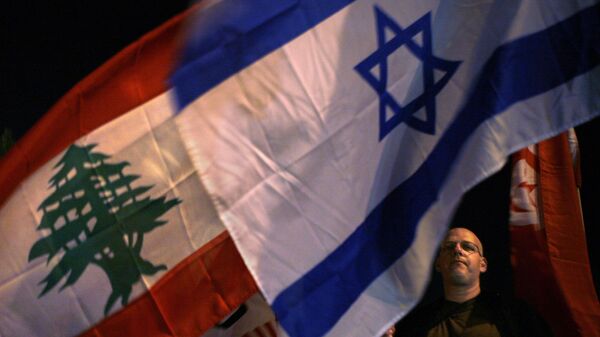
(483,265)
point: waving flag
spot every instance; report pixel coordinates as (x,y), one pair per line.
(337,137)
(547,232)
(105,226)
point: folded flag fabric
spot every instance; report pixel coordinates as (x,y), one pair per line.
(547,232)
(336,138)
(105,226)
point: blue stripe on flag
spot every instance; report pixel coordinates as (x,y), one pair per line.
(516,71)
(233,34)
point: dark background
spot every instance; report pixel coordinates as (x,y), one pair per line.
(48,46)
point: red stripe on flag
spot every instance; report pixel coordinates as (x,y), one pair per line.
(528,156)
(565,233)
(550,263)
(534,279)
(190,299)
(130,78)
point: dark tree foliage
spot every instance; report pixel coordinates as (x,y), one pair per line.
(95,216)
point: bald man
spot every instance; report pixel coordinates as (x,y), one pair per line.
(464,311)
(461,262)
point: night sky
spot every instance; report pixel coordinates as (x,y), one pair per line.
(48,46)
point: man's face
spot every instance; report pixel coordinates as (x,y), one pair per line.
(460,260)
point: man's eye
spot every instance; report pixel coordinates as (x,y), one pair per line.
(469,247)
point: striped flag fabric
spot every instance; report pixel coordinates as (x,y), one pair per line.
(336,138)
(105,227)
(547,231)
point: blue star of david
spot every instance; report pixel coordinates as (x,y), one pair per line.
(429,62)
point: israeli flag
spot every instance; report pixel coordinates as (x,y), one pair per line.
(337,137)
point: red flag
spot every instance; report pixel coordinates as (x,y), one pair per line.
(548,246)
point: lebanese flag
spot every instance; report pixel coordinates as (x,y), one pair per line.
(105,226)
(549,251)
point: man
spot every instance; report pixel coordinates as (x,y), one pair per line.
(464,310)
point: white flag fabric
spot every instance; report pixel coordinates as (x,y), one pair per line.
(336,138)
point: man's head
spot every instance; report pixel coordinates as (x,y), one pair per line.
(461,260)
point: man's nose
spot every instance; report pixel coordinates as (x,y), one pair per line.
(458,249)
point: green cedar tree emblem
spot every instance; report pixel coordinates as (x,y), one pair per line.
(95,216)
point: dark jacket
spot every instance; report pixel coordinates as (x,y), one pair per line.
(513,318)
